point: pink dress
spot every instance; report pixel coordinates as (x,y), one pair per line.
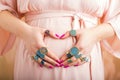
(57,15)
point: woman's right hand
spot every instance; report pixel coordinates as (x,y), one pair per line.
(34,41)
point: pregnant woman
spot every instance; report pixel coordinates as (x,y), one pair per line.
(60,39)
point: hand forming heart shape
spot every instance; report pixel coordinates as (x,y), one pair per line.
(85,39)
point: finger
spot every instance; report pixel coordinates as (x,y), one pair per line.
(41,62)
(43,52)
(77,37)
(51,61)
(82,60)
(65,56)
(68,61)
(52,55)
(44,63)
(66,35)
(51,34)
(73,51)
(75,63)
(72,33)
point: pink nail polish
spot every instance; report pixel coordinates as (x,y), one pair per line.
(58,61)
(61,61)
(76,65)
(57,65)
(61,65)
(66,66)
(50,67)
(41,66)
(62,36)
(57,35)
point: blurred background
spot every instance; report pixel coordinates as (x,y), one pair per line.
(111,64)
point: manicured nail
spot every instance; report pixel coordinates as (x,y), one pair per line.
(57,35)
(66,66)
(58,61)
(76,65)
(61,61)
(50,67)
(62,36)
(41,66)
(57,65)
(61,65)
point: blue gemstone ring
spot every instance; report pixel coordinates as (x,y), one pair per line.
(42,62)
(35,57)
(39,54)
(74,51)
(72,33)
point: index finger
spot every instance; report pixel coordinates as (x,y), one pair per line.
(72,33)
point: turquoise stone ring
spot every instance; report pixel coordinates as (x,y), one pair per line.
(73,33)
(40,54)
(74,51)
(35,57)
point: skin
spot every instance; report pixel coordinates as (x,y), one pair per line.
(34,36)
(86,38)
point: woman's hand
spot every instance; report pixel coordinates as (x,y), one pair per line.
(85,40)
(33,38)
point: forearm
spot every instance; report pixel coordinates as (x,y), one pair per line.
(104,31)
(12,24)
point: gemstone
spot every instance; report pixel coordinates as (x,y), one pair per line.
(43,50)
(73,32)
(78,56)
(40,54)
(74,51)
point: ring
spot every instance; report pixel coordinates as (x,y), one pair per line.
(78,56)
(69,61)
(73,32)
(86,59)
(74,51)
(43,50)
(35,57)
(47,32)
(42,62)
(68,55)
(39,54)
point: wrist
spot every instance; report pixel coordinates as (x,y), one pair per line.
(24,31)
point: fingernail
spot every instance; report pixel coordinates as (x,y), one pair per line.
(57,65)
(62,36)
(61,61)
(76,65)
(57,35)
(66,66)
(58,61)
(50,67)
(41,66)
(61,65)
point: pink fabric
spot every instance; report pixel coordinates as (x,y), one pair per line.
(56,15)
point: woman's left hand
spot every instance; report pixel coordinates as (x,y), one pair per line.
(85,40)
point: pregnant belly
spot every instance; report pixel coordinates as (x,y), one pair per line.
(58,25)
